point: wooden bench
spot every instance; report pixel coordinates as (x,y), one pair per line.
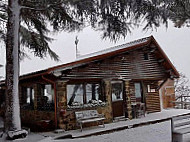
(88,116)
(180,126)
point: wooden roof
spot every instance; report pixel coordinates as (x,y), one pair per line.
(105,54)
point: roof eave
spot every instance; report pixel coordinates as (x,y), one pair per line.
(166,57)
(98,57)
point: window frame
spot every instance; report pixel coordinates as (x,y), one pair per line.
(84,84)
(139,99)
(150,89)
(146,56)
(43,104)
(24,97)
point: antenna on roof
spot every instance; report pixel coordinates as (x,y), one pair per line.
(76,43)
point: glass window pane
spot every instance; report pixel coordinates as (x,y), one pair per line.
(75,94)
(92,92)
(137,90)
(28,95)
(48,91)
(32,94)
(117,91)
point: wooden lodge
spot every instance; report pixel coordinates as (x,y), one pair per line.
(111,81)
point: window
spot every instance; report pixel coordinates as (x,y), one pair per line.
(92,92)
(75,94)
(27,98)
(83,94)
(146,57)
(150,89)
(138,90)
(30,95)
(49,93)
(46,97)
(117,91)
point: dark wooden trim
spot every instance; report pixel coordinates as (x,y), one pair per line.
(78,81)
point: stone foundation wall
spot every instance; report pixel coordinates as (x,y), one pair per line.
(67,120)
(62,105)
(128,98)
(34,118)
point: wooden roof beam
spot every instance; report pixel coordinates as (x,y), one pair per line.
(161,60)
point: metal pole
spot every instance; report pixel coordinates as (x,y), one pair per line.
(76,43)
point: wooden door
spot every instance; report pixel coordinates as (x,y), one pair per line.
(117,99)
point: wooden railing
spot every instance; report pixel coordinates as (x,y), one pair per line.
(182,102)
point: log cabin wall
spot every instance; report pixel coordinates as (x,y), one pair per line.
(167,92)
(151,99)
(130,65)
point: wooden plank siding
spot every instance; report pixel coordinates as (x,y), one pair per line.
(130,65)
(152,100)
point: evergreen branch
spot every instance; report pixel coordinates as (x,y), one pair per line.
(37,43)
(33,8)
(42,9)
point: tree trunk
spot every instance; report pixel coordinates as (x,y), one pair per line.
(12,67)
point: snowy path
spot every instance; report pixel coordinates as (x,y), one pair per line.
(152,133)
(158,132)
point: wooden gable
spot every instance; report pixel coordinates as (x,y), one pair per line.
(127,65)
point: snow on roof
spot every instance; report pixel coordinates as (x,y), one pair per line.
(95,55)
(111,49)
(98,55)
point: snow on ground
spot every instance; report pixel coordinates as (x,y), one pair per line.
(32,137)
(165,114)
(159,132)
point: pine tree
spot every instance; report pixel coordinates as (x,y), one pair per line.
(27,27)
(180,13)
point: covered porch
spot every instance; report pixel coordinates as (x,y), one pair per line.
(110,97)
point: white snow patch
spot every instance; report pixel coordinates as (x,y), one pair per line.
(111,49)
(12,134)
(159,132)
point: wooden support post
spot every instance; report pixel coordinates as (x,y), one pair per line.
(36,96)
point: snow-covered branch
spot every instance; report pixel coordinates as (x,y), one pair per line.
(42,9)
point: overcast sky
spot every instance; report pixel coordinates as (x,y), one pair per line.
(175,42)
